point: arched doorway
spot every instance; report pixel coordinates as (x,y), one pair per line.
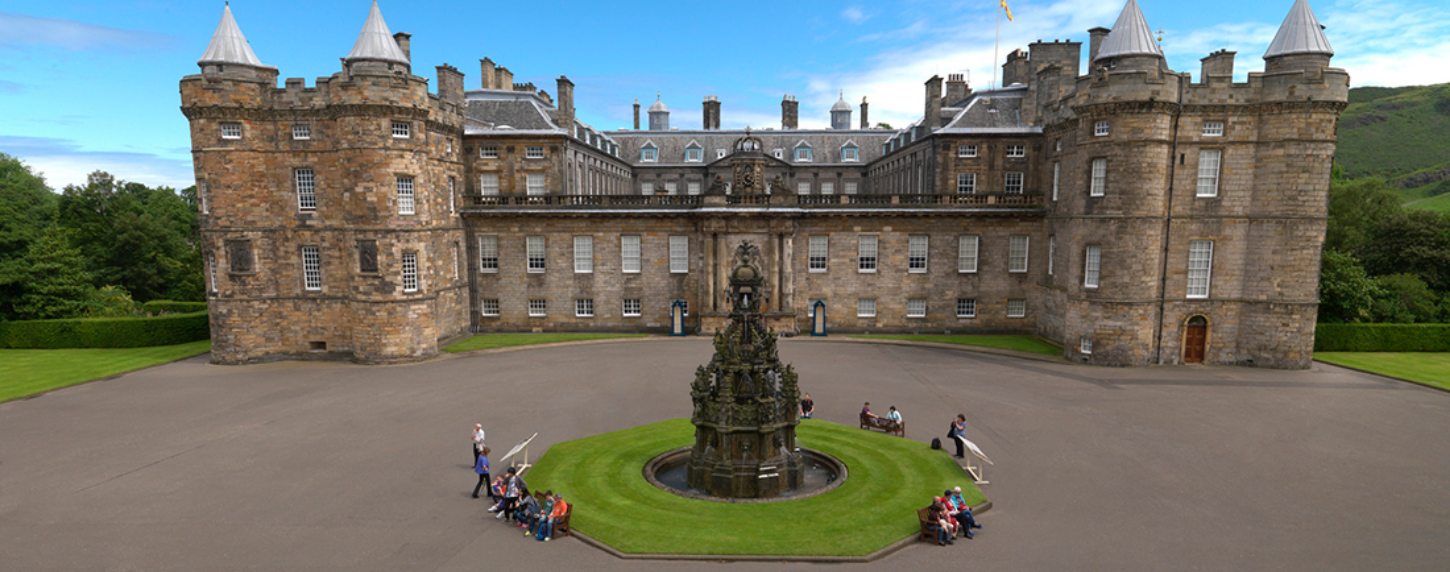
(1195,338)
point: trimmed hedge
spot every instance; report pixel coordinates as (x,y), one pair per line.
(166,330)
(1382,338)
(158,307)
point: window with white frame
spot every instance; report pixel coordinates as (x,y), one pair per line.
(1091,265)
(488,307)
(1085,345)
(916,249)
(966,151)
(448,146)
(679,254)
(1056,171)
(488,184)
(534,252)
(535,183)
(306,189)
(231,131)
(648,154)
(452,184)
(694,154)
(866,253)
(488,254)
(1016,151)
(456,270)
(1100,129)
(1014,183)
(719,153)
(828,188)
(849,187)
(538,307)
(488,151)
(632,307)
(967,254)
(584,307)
(966,307)
(301,132)
(1051,253)
(671,188)
(802,153)
(629,253)
(779,153)
(201,196)
(646,188)
(811,306)
(1017,308)
(916,308)
(583,254)
(311,268)
(692,187)
(818,254)
(1017,254)
(410,272)
(803,188)
(211,271)
(866,308)
(1099,178)
(1200,266)
(1208,165)
(850,154)
(405,195)
(401,129)
(1059,145)
(966,183)
(533,152)
(1213,129)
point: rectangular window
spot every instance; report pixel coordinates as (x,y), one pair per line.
(629,254)
(488,184)
(1085,345)
(301,132)
(584,308)
(211,271)
(1100,129)
(231,131)
(583,254)
(1200,266)
(692,187)
(803,188)
(818,253)
(803,154)
(916,308)
(535,182)
(679,254)
(401,129)
(1090,266)
(1014,183)
(966,150)
(694,155)
(1099,179)
(201,196)
(866,308)
(452,208)
(456,271)
(306,189)
(533,152)
(828,188)
(647,154)
(850,187)
(538,307)
(966,183)
(1213,129)
(966,307)
(916,250)
(1017,254)
(646,188)
(311,268)
(671,188)
(405,195)
(631,307)
(1051,253)
(850,154)
(684,307)
(866,253)
(1016,150)
(410,272)
(367,256)
(1056,172)
(488,307)
(488,151)
(488,254)
(1208,162)
(1017,308)
(967,254)
(534,247)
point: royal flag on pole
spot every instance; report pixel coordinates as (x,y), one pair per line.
(1009,11)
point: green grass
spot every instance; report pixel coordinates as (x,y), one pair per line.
(1020,343)
(488,341)
(27,372)
(1427,368)
(1394,132)
(889,478)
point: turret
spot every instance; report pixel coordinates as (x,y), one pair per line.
(1300,43)
(376,48)
(841,113)
(229,54)
(659,116)
(1130,46)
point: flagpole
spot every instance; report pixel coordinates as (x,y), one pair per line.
(995,44)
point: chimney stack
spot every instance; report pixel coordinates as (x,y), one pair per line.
(956,88)
(402,39)
(789,113)
(1095,41)
(712,112)
(864,123)
(636,115)
(566,103)
(486,67)
(932,117)
(1218,64)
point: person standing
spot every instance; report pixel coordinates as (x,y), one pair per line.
(512,485)
(808,407)
(959,433)
(480,466)
(477,441)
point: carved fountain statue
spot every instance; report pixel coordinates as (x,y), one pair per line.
(746,401)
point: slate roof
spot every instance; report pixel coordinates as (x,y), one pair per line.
(991,111)
(228,45)
(1299,34)
(1131,36)
(376,42)
(498,111)
(825,145)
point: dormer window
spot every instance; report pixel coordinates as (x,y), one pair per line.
(802,152)
(649,154)
(401,130)
(694,154)
(850,153)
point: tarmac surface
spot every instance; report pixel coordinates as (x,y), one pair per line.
(330,466)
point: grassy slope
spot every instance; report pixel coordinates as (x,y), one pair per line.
(890,478)
(1394,131)
(1428,368)
(26,372)
(1020,343)
(487,341)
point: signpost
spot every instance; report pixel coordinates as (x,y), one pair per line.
(521,447)
(976,470)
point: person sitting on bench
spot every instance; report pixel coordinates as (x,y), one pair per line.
(547,506)
(894,415)
(528,510)
(808,407)
(546,532)
(957,507)
(866,410)
(943,524)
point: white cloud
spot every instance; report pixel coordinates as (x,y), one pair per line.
(63,162)
(855,15)
(19,29)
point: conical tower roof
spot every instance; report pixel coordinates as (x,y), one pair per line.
(376,41)
(228,45)
(1300,34)
(1131,36)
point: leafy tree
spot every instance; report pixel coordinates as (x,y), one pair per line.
(111,302)
(136,237)
(54,282)
(1405,299)
(883,125)
(1346,292)
(1415,241)
(27,208)
(1354,208)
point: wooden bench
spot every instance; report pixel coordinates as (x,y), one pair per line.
(928,524)
(883,424)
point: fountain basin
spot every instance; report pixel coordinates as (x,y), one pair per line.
(822,473)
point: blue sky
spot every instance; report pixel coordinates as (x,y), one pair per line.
(88,85)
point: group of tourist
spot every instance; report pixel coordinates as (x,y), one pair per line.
(951,516)
(537,512)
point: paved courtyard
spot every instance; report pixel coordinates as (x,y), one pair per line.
(327,466)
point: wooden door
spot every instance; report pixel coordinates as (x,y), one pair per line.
(1193,343)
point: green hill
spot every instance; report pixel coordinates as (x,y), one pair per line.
(1402,134)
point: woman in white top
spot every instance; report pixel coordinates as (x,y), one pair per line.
(477,441)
